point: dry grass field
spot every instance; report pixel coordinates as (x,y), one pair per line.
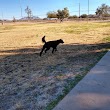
(31,82)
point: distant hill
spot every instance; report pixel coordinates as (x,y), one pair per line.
(32,18)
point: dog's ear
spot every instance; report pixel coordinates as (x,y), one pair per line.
(61,40)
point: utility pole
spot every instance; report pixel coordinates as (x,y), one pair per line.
(79,10)
(88,12)
(88,7)
(21,8)
(2,18)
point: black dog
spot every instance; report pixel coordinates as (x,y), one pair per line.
(50,44)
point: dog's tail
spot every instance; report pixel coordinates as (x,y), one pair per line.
(43,40)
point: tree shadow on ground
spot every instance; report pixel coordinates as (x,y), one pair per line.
(29,57)
(25,72)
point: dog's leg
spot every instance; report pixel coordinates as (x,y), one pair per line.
(47,49)
(53,50)
(42,51)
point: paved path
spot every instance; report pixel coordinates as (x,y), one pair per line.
(92,92)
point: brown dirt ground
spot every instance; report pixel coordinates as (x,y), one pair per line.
(30,81)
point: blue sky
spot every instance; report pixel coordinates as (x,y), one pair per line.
(10,8)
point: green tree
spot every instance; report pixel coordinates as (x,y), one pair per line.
(61,14)
(51,15)
(72,17)
(103,10)
(75,16)
(84,16)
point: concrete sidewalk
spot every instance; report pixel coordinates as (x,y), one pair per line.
(92,92)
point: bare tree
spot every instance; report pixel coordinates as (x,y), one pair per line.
(29,12)
(14,19)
